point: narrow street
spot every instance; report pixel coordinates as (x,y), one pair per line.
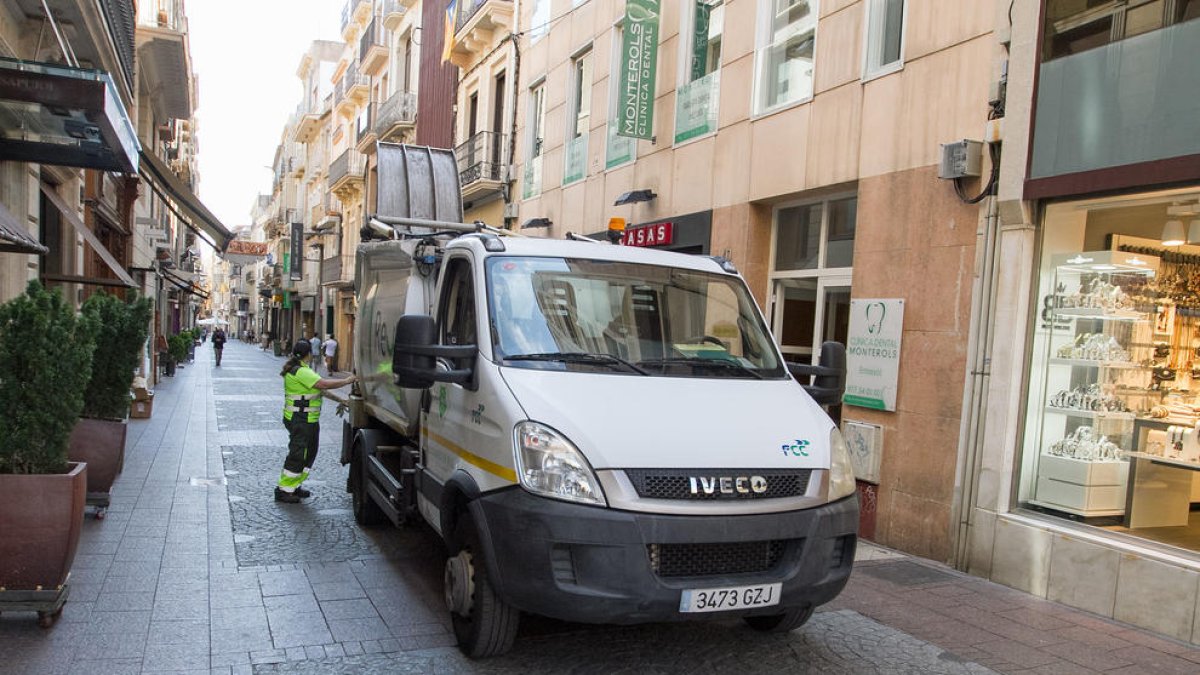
(195,568)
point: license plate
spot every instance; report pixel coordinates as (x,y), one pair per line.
(696,600)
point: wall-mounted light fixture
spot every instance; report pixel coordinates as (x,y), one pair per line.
(536,222)
(635,196)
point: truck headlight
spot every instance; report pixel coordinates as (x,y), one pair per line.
(841,474)
(550,465)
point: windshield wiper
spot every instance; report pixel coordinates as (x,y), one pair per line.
(716,363)
(579,357)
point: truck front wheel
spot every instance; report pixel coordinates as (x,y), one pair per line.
(484,624)
(780,623)
(366,512)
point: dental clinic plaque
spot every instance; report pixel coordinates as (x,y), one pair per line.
(873,353)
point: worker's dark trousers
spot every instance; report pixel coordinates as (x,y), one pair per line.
(217,351)
(302,451)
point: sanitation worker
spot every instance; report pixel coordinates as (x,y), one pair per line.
(301,416)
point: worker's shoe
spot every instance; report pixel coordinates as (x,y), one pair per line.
(286,497)
(302,493)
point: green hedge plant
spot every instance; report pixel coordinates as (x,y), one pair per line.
(46,350)
(177,346)
(121,333)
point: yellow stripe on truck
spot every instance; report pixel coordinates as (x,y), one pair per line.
(487,465)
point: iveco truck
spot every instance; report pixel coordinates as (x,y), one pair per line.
(598,433)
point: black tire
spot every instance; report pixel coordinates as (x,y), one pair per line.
(366,512)
(491,626)
(780,623)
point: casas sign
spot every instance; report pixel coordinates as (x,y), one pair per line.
(653,234)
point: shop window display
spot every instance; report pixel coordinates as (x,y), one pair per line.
(1112,431)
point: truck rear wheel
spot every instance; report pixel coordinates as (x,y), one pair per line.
(780,623)
(484,625)
(366,512)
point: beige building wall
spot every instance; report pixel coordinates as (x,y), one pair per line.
(875,137)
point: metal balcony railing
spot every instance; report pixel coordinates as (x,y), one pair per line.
(372,38)
(350,164)
(366,120)
(399,109)
(348,12)
(468,9)
(481,157)
(351,79)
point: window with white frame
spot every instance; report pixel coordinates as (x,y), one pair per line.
(699,90)
(536,122)
(579,118)
(619,150)
(787,36)
(885,36)
(811,274)
(539,20)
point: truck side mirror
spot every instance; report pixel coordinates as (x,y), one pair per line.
(829,378)
(415,354)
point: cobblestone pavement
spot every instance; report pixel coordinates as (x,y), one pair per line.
(197,569)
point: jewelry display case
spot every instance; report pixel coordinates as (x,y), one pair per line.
(1099,375)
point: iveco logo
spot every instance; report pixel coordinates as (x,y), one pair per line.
(727,485)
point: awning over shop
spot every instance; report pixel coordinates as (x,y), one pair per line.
(14,239)
(68,214)
(183,284)
(183,201)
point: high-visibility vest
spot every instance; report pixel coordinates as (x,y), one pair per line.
(301,398)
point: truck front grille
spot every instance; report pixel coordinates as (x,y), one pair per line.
(706,484)
(700,560)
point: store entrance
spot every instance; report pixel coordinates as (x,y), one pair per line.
(809,312)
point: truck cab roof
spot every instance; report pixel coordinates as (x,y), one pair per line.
(566,248)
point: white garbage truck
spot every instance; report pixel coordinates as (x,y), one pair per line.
(598,433)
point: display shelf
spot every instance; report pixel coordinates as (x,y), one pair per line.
(1114,365)
(1159,459)
(1092,414)
(1094,313)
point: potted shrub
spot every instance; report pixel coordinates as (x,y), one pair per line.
(99,436)
(177,347)
(47,355)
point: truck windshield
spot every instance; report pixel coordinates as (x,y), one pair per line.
(634,319)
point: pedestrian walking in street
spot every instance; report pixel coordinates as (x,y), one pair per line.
(331,346)
(301,417)
(315,341)
(218,343)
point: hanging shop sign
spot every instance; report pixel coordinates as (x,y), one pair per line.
(639,65)
(653,234)
(296,268)
(873,353)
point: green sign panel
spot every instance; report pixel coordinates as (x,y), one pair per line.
(873,353)
(639,65)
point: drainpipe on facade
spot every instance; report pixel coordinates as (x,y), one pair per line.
(515,36)
(975,394)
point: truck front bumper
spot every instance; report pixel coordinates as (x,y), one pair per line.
(599,565)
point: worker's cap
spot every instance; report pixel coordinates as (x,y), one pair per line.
(302,348)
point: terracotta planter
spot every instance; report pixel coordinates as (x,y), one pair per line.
(101,444)
(41,517)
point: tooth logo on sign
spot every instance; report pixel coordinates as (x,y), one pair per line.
(797,449)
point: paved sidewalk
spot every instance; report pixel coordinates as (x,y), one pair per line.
(197,569)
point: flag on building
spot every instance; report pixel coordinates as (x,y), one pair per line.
(448,36)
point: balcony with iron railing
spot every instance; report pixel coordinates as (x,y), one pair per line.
(481,163)
(354,12)
(397,113)
(308,119)
(351,90)
(346,172)
(372,48)
(391,12)
(364,136)
(475,26)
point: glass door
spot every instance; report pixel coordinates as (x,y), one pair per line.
(809,311)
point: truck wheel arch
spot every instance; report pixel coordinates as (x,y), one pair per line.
(458,494)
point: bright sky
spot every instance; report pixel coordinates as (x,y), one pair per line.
(245,54)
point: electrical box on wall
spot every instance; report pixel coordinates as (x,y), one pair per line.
(961,159)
